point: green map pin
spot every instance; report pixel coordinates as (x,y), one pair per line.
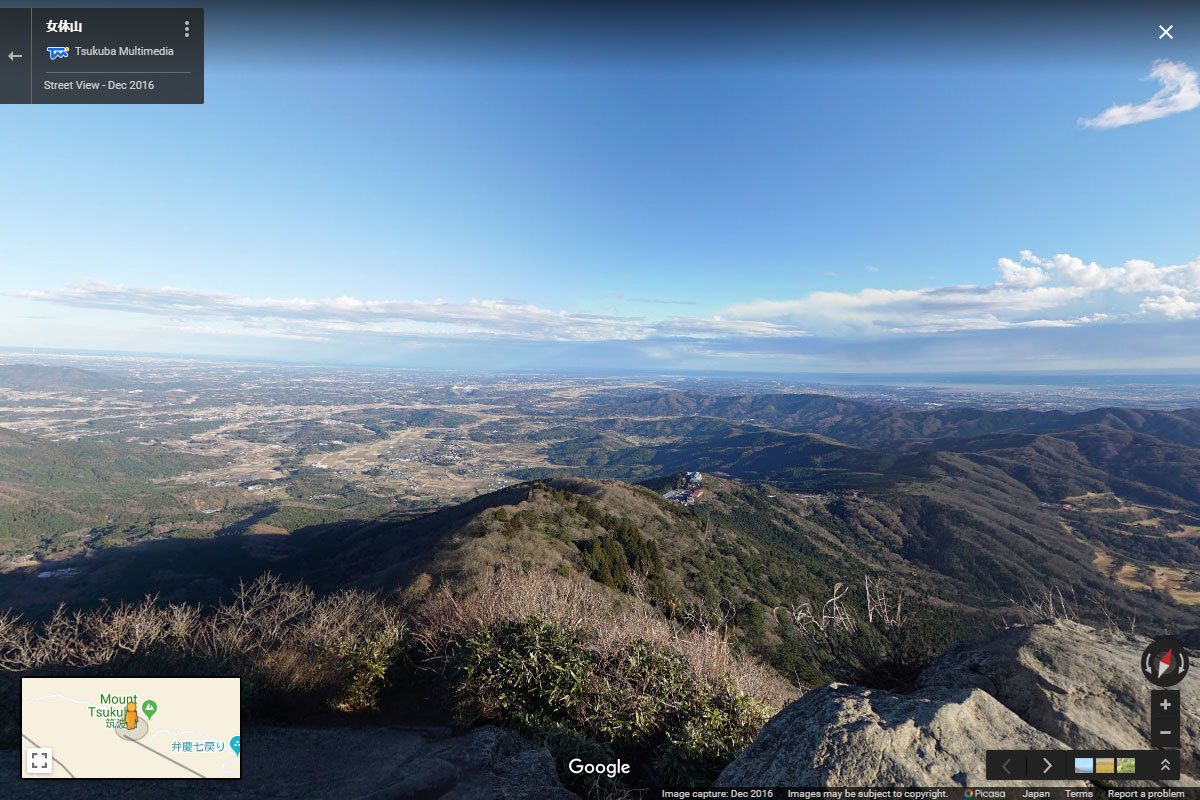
(148,708)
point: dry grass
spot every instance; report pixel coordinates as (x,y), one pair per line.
(278,636)
(564,661)
(283,635)
(593,674)
(610,624)
(295,650)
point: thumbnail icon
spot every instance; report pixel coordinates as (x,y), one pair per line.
(1126,766)
(1084,766)
(58,52)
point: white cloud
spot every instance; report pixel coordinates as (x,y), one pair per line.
(1135,275)
(1033,292)
(660,302)
(319,319)
(1172,306)
(256,333)
(1180,92)
(950,308)
(872,269)
(1015,274)
(718,326)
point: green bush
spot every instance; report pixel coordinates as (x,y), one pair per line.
(363,664)
(708,741)
(611,557)
(642,702)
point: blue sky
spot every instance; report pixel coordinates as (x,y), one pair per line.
(869,197)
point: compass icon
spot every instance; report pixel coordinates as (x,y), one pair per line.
(1164,662)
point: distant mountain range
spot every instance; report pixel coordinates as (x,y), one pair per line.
(867,424)
(972,509)
(39,378)
(969,541)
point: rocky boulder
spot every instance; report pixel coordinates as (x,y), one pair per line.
(336,763)
(842,735)
(485,764)
(1051,685)
(1080,685)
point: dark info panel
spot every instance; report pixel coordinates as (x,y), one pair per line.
(102,55)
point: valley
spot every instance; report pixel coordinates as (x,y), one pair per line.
(599,510)
(117,482)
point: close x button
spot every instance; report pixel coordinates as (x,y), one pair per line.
(1005,765)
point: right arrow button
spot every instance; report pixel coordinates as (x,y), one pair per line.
(1048,765)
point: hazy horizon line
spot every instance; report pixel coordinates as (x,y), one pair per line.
(608,373)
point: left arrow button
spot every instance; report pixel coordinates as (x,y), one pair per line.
(12,56)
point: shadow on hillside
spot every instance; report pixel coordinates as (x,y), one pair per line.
(176,570)
(243,525)
(374,554)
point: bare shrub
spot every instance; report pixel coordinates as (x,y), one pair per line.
(880,652)
(1046,605)
(1052,604)
(277,635)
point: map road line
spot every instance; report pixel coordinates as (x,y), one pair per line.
(58,697)
(173,761)
(56,761)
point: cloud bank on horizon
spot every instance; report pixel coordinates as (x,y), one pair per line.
(1180,92)
(1031,292)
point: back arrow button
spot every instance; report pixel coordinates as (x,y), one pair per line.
(12,56)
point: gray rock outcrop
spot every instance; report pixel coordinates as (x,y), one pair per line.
(1052,685)
(485,764)
(842,735)
(343,763)
(1078,684)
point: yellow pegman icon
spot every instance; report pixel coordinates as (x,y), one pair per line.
(130,715)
